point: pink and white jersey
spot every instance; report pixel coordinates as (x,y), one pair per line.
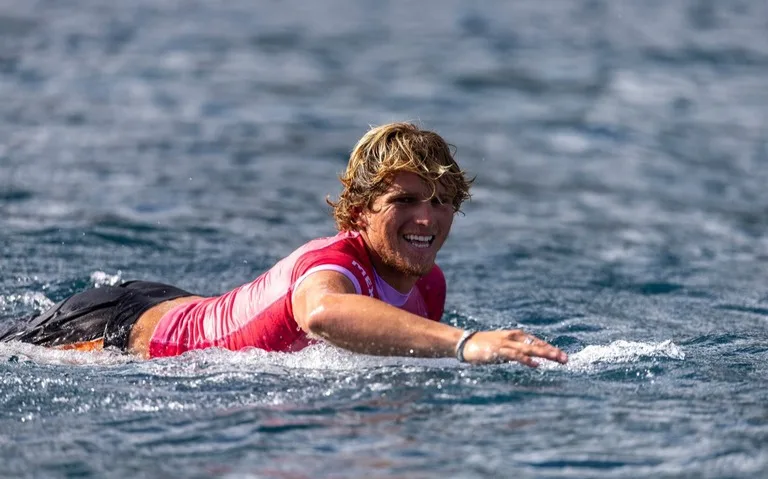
(259,314)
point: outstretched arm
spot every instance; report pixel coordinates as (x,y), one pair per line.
(325,305)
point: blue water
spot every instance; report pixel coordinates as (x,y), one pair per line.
(620,211)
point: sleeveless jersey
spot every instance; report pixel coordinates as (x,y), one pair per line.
(259,314)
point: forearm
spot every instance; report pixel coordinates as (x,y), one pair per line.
(325,305)
(370,326)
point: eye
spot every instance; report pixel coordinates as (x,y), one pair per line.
(441,201)
(405,200)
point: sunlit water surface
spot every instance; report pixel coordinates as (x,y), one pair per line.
(620,212)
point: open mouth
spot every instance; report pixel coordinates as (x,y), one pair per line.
(420,241)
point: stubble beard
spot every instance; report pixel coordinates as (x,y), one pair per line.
(405,267)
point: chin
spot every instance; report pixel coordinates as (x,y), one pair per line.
(418,270)
(408,264)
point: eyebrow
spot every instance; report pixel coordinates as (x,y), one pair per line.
(397,190)
(400,192)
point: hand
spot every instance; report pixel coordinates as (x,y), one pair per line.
(510,345)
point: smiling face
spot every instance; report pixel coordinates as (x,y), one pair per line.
(405,228)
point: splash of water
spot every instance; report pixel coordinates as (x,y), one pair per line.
(35,299)
(16,351)
(319,357)
(622,351)
(100,278)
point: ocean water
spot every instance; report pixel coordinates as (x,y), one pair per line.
(620,211)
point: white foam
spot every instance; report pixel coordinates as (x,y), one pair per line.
(100,278)
(43,355)
(620,352)
(318,357)
(36,299)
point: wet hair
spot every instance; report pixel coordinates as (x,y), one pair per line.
(387,150)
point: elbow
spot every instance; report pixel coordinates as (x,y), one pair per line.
(318,320)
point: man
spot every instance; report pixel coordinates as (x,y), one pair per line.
(374,288)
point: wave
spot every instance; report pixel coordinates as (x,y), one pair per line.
(35,299)
(319,357)
(620,352)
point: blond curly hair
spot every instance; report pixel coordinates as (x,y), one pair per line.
(390,149)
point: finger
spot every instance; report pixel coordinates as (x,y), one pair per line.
(533,346)
(525,338)
(544,350)
(532,340)
(515,355)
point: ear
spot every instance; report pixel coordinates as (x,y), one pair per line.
(360,218)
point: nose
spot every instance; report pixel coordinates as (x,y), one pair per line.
(425,213)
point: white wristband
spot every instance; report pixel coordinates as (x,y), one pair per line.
(463,342)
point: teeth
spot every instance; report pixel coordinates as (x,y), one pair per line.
(416,239)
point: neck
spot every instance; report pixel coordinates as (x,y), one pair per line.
(403,283)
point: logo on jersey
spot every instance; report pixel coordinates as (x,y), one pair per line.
(368,281)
